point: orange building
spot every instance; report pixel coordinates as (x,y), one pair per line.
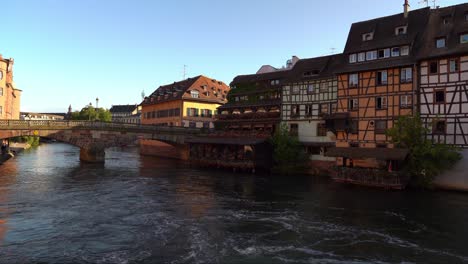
(9,94)
(188,103)
(376,84)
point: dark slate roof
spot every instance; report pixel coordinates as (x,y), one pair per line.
(181,90)
(451,31)
(251,78)
(384,37)
(315,68)
(123,108)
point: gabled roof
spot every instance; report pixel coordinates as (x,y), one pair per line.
(123,108)
(209,89)
(436,28)
(383,30)
(250,78)
(315,68)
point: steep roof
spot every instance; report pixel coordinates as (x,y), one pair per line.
(123,108)
(315,68)
(209,89)
(436,28)
(384,36)
(276,75)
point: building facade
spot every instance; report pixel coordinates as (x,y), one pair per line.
(444,76)
(10,96)
(377,83)
(309,94)
(129,114)
(188,103)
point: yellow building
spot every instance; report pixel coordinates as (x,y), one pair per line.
(188,103)
(9,94)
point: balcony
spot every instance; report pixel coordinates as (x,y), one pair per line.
(250,116)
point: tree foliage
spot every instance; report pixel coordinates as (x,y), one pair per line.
(426,159)
(288,152)
(92,114)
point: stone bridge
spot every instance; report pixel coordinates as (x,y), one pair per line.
(93,137)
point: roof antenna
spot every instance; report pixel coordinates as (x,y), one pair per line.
(184,73)
(424,2)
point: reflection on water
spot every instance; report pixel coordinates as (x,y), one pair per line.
(147,210)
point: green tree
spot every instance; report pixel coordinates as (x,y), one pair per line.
(92,114)
(288,153)
(426,159)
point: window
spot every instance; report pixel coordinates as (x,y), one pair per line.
(352,58)
(434,67)
(404,51)
(309,110)
(439,127)
(401,30)
(384,53)
(324,87)
(192,124)
(381,102)
(406,101)
(321,130)
(440,43)
(395,52)
(406,75)
(1,91)
(464,38)
(361,57)
(353,104)
(324,108)
(310,88)
(295,89)
(382,77)
(371,55)
(353,127)
(466,16)
(380,126)
(368,36)
(1,75)
(295,110)
(334,107)
(453,65)
(353,80)
(1,109)
(439,97)
(274,82)
(294,130)
(194,94)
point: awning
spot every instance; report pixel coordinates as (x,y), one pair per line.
(365,153)
(225,140)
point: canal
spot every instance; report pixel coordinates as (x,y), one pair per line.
(147,210)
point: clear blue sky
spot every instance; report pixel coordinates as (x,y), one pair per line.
(72,51)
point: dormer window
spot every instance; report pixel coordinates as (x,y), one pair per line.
(368,36)
(440,43)
(361,57)
(401,30)
(274,82)
(195,94)
(371,55)
(352,58)
(404,51)
(384,53)
(466,16)
(446,20)
(395,52)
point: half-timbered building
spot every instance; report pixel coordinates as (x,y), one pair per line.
(376,84)
(444,76)
(311,92)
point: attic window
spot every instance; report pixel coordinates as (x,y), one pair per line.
(311,73)
(352,58)
(466,16)
(446,20)
(194,94)
(440,43)
(464,38)
(368,36)
(401,30)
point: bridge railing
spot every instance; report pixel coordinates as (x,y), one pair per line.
(70,124)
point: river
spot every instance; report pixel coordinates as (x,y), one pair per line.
(149,210)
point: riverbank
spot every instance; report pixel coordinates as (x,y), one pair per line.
(15,148)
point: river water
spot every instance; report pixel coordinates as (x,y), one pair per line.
(147,210)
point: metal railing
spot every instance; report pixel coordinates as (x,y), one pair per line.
(96,125)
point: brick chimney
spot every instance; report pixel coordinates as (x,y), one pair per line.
(406,8)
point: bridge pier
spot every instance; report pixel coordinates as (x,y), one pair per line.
(92,155)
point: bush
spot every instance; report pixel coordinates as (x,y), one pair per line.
(288,153)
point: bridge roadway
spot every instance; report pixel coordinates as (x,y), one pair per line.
(93,137)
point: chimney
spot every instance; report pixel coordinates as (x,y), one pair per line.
(406,8)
